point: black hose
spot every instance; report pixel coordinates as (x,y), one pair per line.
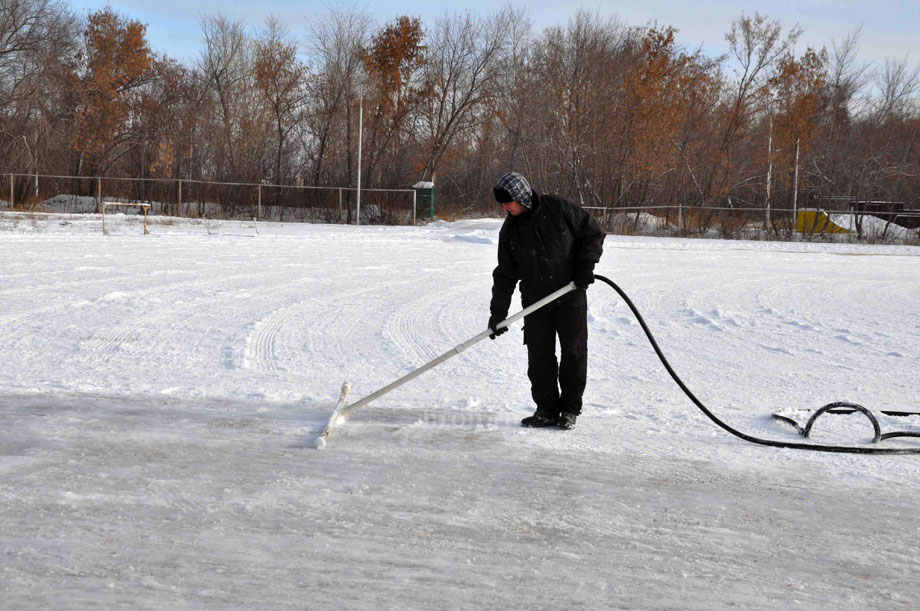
(733,431)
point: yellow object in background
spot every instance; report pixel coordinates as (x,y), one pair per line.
(816,221)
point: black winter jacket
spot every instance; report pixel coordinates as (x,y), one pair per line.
(542,249)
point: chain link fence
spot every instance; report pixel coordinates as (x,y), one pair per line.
(213,200)
(834,218)
(863,221)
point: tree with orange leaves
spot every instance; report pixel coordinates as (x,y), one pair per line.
(391,63)
(662,95)
(799,86)
(115,60)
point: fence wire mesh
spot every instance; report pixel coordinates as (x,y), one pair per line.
(201,199)
(837,218)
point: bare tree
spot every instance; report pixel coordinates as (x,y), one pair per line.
(462,70)
(38,41)
(899,84)
(510,107)
(577,141)
(336,40)
(225,68)
(846,83)
(280,79)
(756,43)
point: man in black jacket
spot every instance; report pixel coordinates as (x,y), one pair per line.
(546,242)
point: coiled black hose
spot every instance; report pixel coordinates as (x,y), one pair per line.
(733,431)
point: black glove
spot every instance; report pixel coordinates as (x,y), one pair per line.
(494,320)
(583,277)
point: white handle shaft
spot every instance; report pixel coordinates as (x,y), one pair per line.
(342,411)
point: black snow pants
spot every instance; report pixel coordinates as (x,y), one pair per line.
(567,318)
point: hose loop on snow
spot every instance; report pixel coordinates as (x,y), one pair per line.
(842,407)
(771,442)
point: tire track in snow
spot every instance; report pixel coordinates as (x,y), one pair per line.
(124,274)
(610,314)
(260,353)
(603,311)
(262,343)
(345,318)
(407,328)
(105,342)
(126,270)
(154,290)
(467,312)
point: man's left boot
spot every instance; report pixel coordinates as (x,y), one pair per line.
(567,421)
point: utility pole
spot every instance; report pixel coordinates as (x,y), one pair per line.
(360,130)
(795,189)
(766,221)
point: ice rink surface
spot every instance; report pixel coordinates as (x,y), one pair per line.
(159,396)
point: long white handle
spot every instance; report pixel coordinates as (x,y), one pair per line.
(341,411)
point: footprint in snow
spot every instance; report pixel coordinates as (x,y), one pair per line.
(777,349)
(847,340)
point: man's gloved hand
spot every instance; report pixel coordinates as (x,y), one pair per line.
(583,277)
(494,320)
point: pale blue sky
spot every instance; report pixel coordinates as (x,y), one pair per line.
(890,28)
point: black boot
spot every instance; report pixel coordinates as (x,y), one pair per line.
(567,421)
(541,418)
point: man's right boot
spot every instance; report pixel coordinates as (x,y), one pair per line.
(541,419)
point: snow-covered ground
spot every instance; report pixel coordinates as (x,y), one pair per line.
(159,396)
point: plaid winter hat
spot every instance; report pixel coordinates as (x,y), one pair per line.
(512,187)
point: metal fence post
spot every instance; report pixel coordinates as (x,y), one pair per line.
(99,191)
(12,195)
(360,131)
(260,201)
(180,196)
(414,221)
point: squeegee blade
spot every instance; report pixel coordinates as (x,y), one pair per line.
(334,419)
